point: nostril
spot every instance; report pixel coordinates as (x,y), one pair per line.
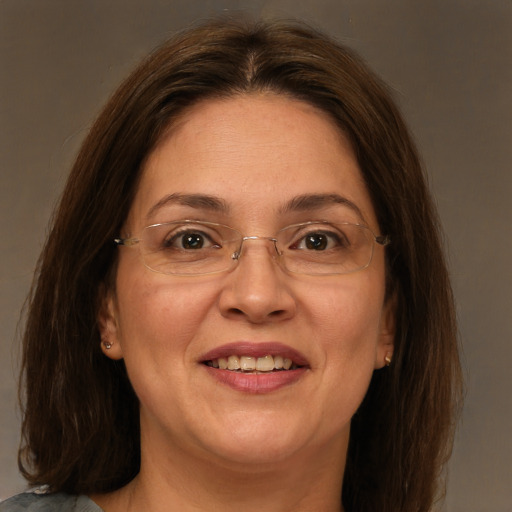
(278,313)
(254,316)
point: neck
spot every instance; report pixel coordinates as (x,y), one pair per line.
(173,480)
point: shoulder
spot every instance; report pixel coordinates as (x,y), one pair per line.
(40,502)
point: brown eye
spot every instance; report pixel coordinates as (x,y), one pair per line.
(192,241)
(188,240)
(319,241)
(316,241)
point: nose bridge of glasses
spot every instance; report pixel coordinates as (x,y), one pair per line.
(237,254)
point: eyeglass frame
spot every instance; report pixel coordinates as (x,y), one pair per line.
(382,240)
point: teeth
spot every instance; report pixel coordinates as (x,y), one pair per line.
(247,363)
(266,363)
(233,363)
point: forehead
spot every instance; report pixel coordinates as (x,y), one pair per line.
(254,152)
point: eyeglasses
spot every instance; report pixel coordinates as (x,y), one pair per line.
(190,248)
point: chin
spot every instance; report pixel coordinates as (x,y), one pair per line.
(259,441)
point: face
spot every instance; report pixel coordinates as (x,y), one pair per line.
(244,162)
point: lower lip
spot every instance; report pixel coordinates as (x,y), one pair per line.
(256,383)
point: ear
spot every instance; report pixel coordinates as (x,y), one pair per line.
(387,330)
(108,325)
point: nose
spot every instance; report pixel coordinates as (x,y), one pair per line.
(257,289)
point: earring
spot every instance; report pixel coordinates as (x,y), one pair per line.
(107,345)
(387,359)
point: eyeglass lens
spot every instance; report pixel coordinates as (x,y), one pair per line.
(194,248)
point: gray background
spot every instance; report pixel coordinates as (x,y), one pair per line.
(450,64)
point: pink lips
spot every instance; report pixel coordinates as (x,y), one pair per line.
(256,383)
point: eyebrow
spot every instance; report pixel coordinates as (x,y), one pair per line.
(310,202)
(198,201)
(302,203)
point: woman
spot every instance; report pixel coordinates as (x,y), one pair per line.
(243,301)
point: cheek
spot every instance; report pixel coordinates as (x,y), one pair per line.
(159,312)
(347,331)
(344,316)
(348,313)
(159,319)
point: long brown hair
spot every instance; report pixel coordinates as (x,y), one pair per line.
(80,428)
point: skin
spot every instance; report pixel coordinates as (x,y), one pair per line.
(206,446)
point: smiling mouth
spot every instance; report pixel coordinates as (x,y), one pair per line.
(255,365)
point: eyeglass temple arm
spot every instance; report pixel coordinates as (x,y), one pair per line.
(127,242)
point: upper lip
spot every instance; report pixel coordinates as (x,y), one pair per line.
(256,349)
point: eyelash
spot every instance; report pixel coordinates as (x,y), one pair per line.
(169,241)
(297,243)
